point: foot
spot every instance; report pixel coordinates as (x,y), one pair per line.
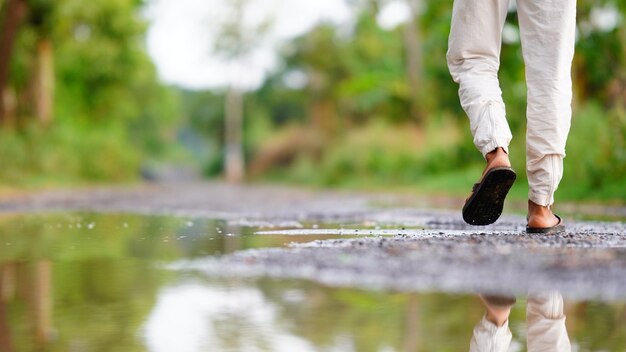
(540,216)
(497,158)
(484,205)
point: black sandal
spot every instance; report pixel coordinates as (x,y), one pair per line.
(558,228)
(486,202)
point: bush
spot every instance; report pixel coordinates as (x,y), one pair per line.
(595,165)
(67,153)
(382,154)
(442,157)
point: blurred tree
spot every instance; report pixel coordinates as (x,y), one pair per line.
(414,61)
(323,61)
(13,15)
(81,66)
(600,63)
(99,56)
(40,18)
(235,41)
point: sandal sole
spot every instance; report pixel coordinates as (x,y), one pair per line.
(485,205)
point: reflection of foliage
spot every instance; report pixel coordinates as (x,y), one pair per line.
(104,271)
(373,321)
(598,326)
(103,275)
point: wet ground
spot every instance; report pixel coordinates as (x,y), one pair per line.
(210,267)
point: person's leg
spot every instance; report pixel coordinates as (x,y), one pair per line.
(488,336)
(547,29)
(492,332)
(546,323)
(474,59)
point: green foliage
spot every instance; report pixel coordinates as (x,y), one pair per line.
(382,154)
(203,113)
(596,154)
(110,112)
(66,154)
(103,72)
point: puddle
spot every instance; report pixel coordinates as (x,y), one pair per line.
(89,282)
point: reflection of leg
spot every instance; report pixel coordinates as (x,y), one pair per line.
(492,331)
(546,323)
(547,29)
(474,59)
(489,337)
(5,282)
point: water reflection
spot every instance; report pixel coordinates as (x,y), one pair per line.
(32,282)
(545,319)
(66,286)
(195,317)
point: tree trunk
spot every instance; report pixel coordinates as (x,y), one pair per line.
(413,44)
(13,16)
(44,82)
(234,165)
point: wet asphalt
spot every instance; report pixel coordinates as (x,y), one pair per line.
(384,241)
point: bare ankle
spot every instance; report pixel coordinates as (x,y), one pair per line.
(498,318)
(534,208)
(496,153)
(540,215)
(497,158)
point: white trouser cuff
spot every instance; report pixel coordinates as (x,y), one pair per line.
(491,146)
(544,175)
(546,323)
(489,337)
(489,127)
(545,200)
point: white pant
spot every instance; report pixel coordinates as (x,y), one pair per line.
(546,330)
(547,31)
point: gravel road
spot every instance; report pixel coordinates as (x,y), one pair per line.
(389,241)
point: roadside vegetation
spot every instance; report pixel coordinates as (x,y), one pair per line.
(81,102)
(368,107)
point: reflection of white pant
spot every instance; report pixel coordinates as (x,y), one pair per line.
(546,328)
(547,29)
